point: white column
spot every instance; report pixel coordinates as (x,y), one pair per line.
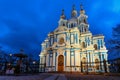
(64,61)
(88,57)
(105,56)
(77,58)
(102,66)
(47,60)
(92,55)
(53,59)
(50,60)
(56,57)
(80,58)
(68,59)
(42,60)
(101,57)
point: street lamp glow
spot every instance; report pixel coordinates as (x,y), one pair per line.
(34,62)
(10,54)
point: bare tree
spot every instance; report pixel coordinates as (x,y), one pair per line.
(114,46)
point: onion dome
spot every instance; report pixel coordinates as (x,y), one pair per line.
(74,12)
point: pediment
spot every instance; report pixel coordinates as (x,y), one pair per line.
(61,29)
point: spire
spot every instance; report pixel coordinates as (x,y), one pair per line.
(74,12)
(62,14)
(82,11)
(81,6)
(73,7)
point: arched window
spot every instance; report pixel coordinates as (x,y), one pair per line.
(75,24)
(82,29)
(84,60)
(84,64)
(85,29)
(61,40)
(97,64)
(101,44)
(63,24)
(85,21)
(68,25)
(72,25)
(95,46)
(96,60)
(83,44)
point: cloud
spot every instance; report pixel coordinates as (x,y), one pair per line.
(26,23)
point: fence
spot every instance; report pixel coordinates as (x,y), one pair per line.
(112,66)
(102,66)
(7,68)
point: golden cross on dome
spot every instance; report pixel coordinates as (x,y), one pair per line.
(73,7)
(62,12)
(81,6)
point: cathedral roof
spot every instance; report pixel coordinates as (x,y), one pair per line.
(61,28)
(73,19)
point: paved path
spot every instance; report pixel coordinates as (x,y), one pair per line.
(29,77)
(52,77)
(55,76)
(90,77)
(62,77)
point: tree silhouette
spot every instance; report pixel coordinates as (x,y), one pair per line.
(114,45)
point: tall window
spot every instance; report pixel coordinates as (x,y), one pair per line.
(101,43)
(95,46)
(85,29)
(72,25)
(84,63)
(83,44)
(84,60)
(97,64)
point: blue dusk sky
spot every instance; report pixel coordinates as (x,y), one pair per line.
(26,23)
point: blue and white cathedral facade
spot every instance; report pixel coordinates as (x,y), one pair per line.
(72,47)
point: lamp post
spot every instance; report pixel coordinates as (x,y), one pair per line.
(10,58)
(34,68)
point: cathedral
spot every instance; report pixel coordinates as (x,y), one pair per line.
(72,47)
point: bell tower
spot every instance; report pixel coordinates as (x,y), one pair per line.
(82,21)
(62,21)
(74,12)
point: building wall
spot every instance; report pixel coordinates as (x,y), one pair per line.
(75,43)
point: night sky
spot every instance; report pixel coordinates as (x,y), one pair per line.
(26,23)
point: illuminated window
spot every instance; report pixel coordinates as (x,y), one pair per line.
(83,44)
(84,63)
(61,40)
(96,60)
(97,64)
(95,46)
(72,25)
(84,60)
